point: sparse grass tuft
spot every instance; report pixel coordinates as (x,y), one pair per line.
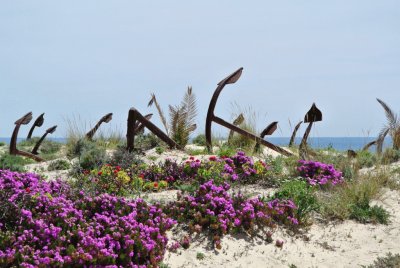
(389,261)
(351,200)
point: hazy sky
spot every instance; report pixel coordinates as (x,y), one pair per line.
(88,58)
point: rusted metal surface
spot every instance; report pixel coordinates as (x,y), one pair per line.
(139,127)
(291,142)
(105,119)
(269,130)
(369,144)
(239,120)
(313,115)
(38,123)
(232,78)
(48,131)
(134,116)
(13,143)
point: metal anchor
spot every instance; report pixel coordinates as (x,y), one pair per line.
(269,130)
(38,123)
(134,116)
(313,115)
(291,142)
(212,118)
(105,119)
(48,131)
(13,143)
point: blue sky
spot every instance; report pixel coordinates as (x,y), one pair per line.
(88,58)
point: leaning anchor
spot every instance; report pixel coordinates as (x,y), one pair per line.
(291,142)
(105,119)
(313,115)
(269,130)
(13,144)
(38,123)
(134,116)
(212,118)
(48,131)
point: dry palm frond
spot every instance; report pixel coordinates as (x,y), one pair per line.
(393,126)
(152,101)
(380,140)
(390,115)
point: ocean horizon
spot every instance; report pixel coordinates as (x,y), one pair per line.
(337,143)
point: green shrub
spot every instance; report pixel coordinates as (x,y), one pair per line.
(389,261)
(200,140)
(226,150)
(92,158)
(362,212)
(14,162)
(89,153)
(390,156)
(59,164)
(147,141)
(121,157)
(345,201)
(50,147)
(2,143)
(302,195)
(366,159)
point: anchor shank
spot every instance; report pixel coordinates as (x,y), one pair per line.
(251,136)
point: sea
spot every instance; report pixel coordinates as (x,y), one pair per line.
(337,143)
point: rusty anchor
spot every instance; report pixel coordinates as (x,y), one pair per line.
(239,120)
(291,142)
(38,123)
(369,144)
(231,79)
(134,116)
(48,131)
(13,143)
(105,119)
(139,127)
(269,130)
(313,115)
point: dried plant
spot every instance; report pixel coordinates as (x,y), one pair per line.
(181,117)
(392,127)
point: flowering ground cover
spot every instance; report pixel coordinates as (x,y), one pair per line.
(212,209)
(169,174)
(43,224)
(317,173)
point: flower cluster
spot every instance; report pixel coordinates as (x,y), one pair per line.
(317,173)
(213,209)
(114,180)
(44,224)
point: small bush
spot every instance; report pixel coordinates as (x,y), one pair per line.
(366,159)
(346,200)
(59,164)
(121,157)
(302,195)
(90,154)
(200,140)
(389,261)
(390,156)
(14,162)
(50,147)
(2,143)
(362,212)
